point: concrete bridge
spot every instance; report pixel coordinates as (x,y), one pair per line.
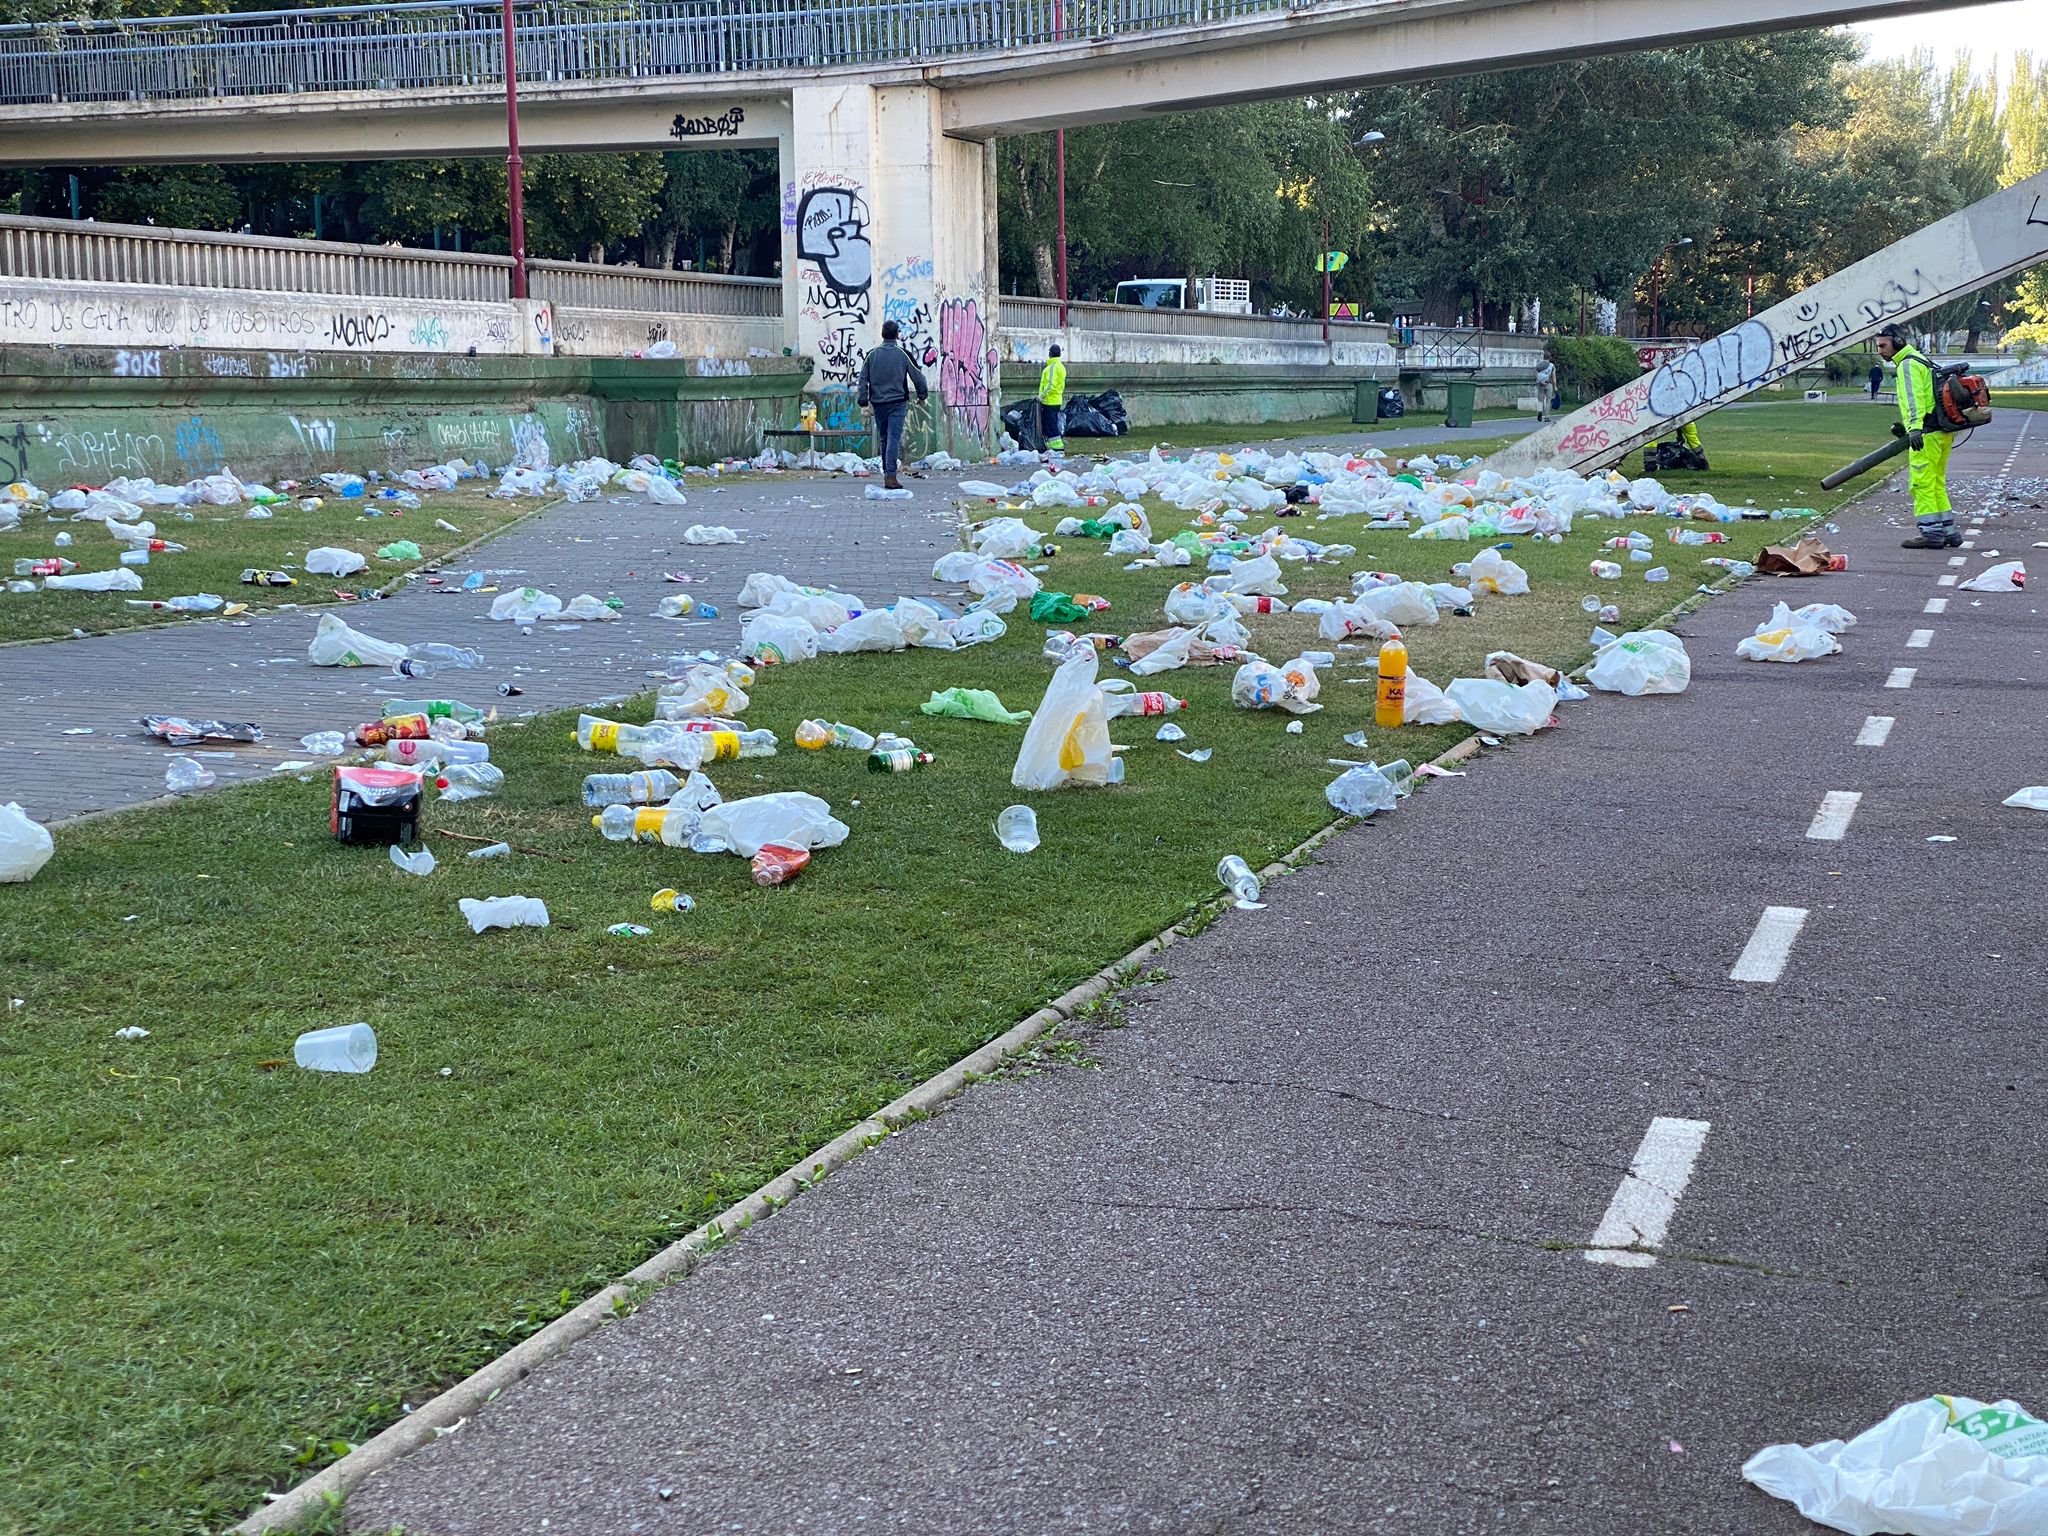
(882,111)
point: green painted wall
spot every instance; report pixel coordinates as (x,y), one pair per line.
(81,415)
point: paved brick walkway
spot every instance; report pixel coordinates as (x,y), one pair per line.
(812,528)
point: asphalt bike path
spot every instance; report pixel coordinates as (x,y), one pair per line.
(1544,1150)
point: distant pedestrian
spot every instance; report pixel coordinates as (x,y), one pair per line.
(886,379)
(1876,378)
(1546,389)
(1052,403)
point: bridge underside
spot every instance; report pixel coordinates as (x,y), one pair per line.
(1326,46)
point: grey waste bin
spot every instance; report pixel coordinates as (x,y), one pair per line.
(1459,395)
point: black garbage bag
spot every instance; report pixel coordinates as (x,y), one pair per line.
(1111,405)
(1084,420)
(1021,422)
(1392,404)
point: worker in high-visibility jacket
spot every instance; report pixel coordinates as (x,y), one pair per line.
(1933,515)
(1052,403)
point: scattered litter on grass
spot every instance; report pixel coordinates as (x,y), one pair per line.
(503,912)
(342,1048)
(131,1032)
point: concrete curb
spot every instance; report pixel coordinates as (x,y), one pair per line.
(445,1412)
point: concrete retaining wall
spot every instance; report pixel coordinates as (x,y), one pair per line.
(69,416)
(715,342)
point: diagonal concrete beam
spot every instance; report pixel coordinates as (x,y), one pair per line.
(2006,232)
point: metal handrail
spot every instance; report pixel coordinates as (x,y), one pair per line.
(428,44)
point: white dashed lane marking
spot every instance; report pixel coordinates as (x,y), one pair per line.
(1763,957)
(1640,1213)
(1919,640)
(1902,677)
(1876,728)
(1936,605)
(1831,821)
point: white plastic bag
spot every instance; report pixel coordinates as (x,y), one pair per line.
(120,579)
(1343,621)
(334,644)
(525,605)
(1644,661)
(1361,791)
(923,625)
(664,492)
(1257,577)
(876,630)
(791,819)
(1797,643)
(2033,798)
(1944,1466)
(814,608)
(1825,616)
(1409,603)
(587,608)
(2006,576)
(1002,575)
(1067,741)
(503,912)
(984,488)
(771,639)
(702,533)
(25,845)
(1291,686)
(1191,605)
(1008,538)
(1426,704)
(1495,573)
(1502,708)
(329,561)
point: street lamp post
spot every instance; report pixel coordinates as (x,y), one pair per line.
(515,167)
(1372,136)
(1656,285)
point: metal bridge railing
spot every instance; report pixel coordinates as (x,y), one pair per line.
(425,44)
(186,258)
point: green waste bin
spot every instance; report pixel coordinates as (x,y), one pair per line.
(1459,395)
(1365,401)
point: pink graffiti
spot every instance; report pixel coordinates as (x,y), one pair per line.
(1624,404)
(1583,438)
(966,362)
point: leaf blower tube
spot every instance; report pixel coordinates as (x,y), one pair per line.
(1864,465)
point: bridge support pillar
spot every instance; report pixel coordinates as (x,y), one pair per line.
(885,218)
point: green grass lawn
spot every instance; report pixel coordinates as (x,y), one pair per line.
(219,1266)
(221,542)
(1213,434)
(2020,399)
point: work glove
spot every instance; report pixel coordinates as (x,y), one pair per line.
(1915,441)
(1898,429)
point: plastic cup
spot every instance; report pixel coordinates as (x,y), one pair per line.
(342,1048)
(1017,829)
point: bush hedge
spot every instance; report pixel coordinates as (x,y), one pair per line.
(1590,366)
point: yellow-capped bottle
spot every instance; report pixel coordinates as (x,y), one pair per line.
(1393,693)
(671,825)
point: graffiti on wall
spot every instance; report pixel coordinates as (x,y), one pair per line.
(907,299)
(199,446)
(967,363)
(835,277)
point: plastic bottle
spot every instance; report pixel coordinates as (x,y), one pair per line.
(1391,705)
(1237,878)
(650,788)
(669,900)
(1606,570)
(49,565)
(898,760)
(186,773)
(1121,704)
(1017,829)
(417,754)
(814,735)
(434,656)
(470,781)
(672,826)
(723,746)
(1589,603)
(433,709)
(594,733)
(779,863)
(1656,573)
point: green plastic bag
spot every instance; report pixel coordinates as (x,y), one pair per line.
(1055,608)
(403,549)
(1190,541)
(1096,528)
(973,704)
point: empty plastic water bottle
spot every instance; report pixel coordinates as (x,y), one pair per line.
(186,773)
(650,788)
(1237,878)
(470,781)
(813,735)
(1606,570)
(723,746)
(671,825)
(1121,704)
(1656,573)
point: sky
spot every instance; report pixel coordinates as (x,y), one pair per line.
(1988,32)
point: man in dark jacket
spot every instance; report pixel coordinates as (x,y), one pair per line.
(885,383)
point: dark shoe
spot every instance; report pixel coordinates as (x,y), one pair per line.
(1954,539)
(1928,541)
(891,483)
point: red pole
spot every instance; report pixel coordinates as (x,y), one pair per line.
(515,167)
(1326,277)
(1060,155)
(1657,297)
